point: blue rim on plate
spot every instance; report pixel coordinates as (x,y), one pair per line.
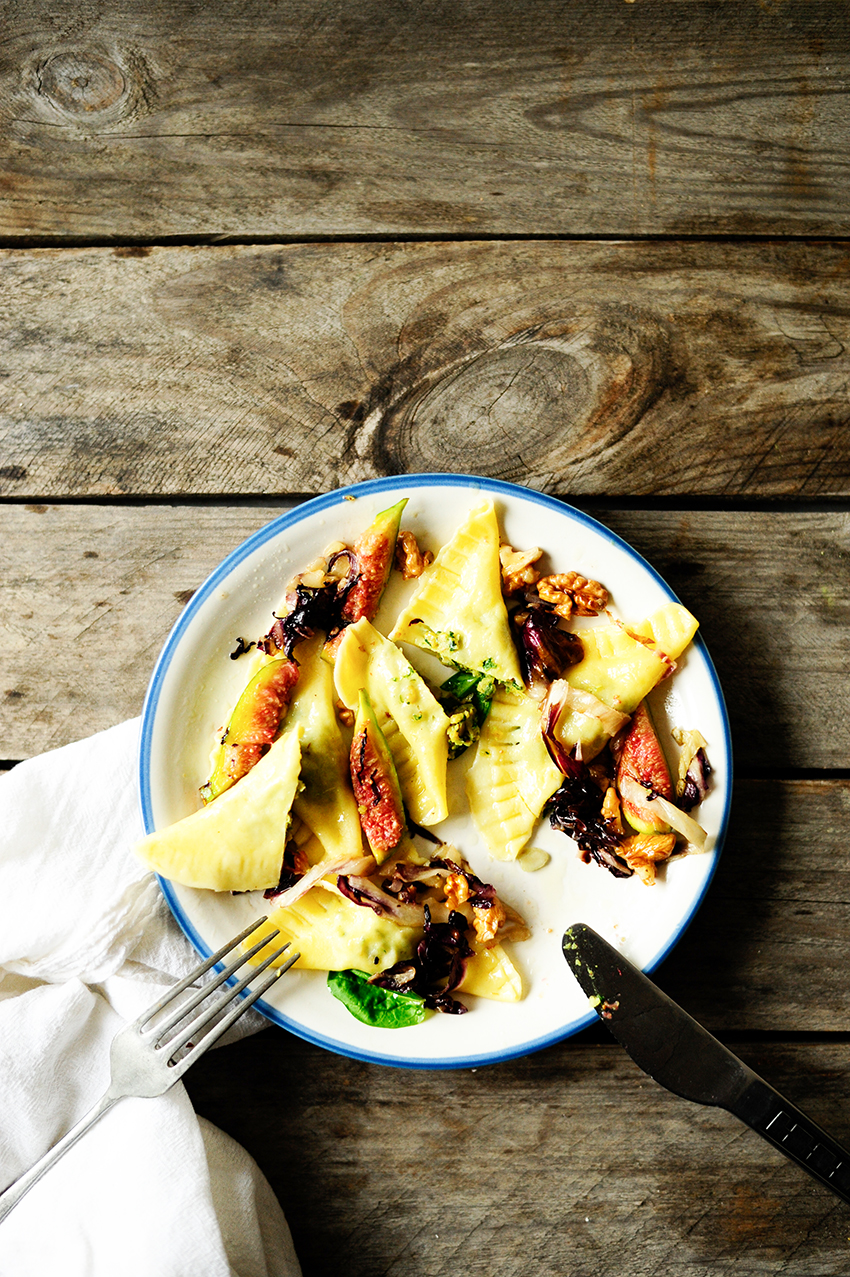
(291,518)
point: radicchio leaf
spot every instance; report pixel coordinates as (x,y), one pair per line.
(360,891)
(345,864)
(545,650)
(576,809)
(561,756)
(696,781)
(315,607)
(437,967)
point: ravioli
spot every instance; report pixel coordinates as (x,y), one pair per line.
(512,775)
(457,611)
(236,842)
(410,717)
(325,801)
(491,974)
(670,628)
(621,669)
(333,934)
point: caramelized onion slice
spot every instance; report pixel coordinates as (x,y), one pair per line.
(350,865)
(677,819)
(562,699)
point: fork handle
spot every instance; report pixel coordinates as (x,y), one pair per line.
(15,1192)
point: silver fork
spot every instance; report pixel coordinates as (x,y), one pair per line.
(143,1059)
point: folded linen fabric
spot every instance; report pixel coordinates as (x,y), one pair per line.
(87,943)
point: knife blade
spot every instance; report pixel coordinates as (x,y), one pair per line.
(676,1051)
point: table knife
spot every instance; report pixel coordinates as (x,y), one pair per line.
(676,1051)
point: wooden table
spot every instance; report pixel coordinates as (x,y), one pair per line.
(256,251)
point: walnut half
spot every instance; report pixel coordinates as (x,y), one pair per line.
(488,921)
(571,593)
(409,559)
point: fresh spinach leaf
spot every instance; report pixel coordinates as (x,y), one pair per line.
(381,1008)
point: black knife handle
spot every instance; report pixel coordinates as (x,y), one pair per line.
(785,1127)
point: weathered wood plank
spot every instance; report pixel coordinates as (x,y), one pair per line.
(501,117)
(569,1162)
(89,592)
(768,949)
(602,370)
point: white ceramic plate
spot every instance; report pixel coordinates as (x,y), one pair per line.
(195,684)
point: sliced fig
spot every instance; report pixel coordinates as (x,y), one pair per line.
(375,782)
(641,766)
(254,725)
(374,553)
(370,563)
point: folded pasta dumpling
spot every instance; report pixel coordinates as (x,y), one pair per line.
(457,610)
(325,801)
(491,974)
(236,842)
(333,934)
(621,664)
(412,720)
(670,628)
(512,775)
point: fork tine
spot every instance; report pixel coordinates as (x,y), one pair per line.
(178,988)
(205,990)
(210,1012)
(242,1005)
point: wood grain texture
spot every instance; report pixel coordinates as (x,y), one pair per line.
(570,1163)
(88,594)
(92,593)
(313,118)
(768,949)
(600,370)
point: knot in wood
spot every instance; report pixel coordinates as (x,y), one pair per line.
(490,413)
(82,83)
(555,398)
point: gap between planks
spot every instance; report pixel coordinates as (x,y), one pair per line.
(24,242)
(588,504)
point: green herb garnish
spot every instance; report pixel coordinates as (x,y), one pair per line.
(466,698)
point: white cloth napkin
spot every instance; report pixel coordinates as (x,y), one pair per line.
(87,943)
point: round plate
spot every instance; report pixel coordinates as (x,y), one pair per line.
(195,684)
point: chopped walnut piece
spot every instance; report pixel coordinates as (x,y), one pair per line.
(409,559)
(571,593)
(344,714)
(655,846)
(456,887)
(517,570)
(487,922)
(611,809)
(642,851)
(644,868)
